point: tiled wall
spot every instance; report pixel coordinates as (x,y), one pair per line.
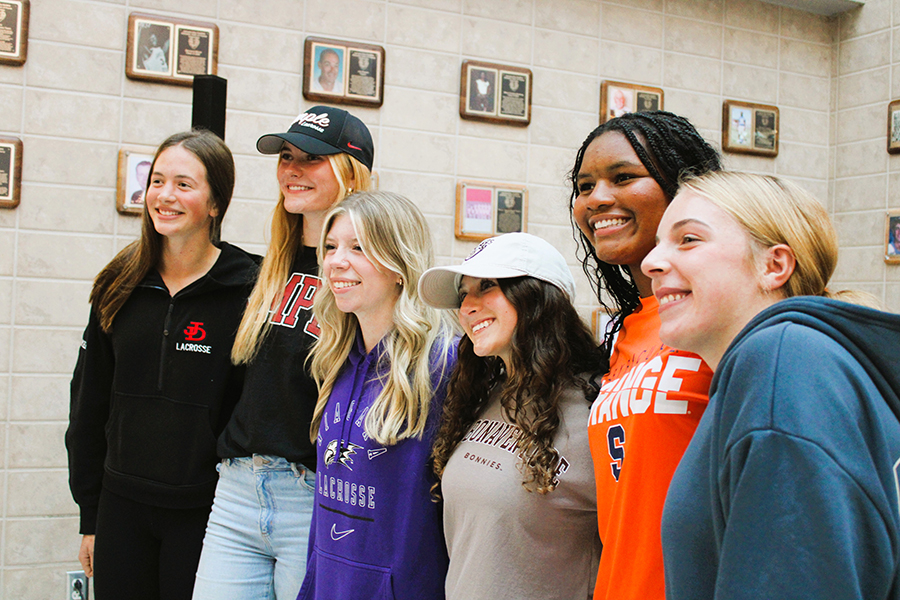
(73,107)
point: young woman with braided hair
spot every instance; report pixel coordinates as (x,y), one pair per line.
(626,173)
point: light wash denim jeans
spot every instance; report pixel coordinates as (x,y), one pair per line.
(255,544)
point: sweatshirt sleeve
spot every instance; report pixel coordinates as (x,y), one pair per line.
(800,514)
(91,390)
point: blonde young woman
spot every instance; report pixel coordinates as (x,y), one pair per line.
(255,544)
(789,486)
(382,364)
(154,384)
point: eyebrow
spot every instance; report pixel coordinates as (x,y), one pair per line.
(614,167)
(690,221)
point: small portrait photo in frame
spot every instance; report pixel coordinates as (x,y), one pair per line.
(892,236)
(134,173)
(495,93)
(10,172)
(485,209)
(13,31)
(618,98)
(749,128)
(599,322)
(165,50)
(336,71)
(893,127)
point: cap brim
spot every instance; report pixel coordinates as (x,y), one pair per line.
(438,286)
(272,143)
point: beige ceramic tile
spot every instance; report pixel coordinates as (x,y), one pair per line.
(653,5)
(892,294)
(565,52)
(243,129)
(874,15)
(755,84)
(803,25)
(693,37)
(692,73)
(442,238)
(45,351)
(43,397)
(39,256)
(860,193)
(11,115)
(750,163)
(260,48)
(50,303)
(861,158)
(158,93)
(7,253)
(513,11)
(36,445)
(445,5)
(71,115)
(204,9)
(247,222)
(804,92)
(70,162)
(805,58)
(443,70)
(285,14)
(865,53)
(507,133)
(624,62)
(706,10)
(42,493)
(859,124)
(74,68)
(864,88)
(632,26)
(6,304)
(804,126)
(704,111)
(329,17)
(404,28)
(581,16)
(801,160)
(41,582)
(66,209)
(859,229)
(496,41)
(549,205)
(281,91)
(419,110)
(78,22)
(550,166)
(860,264)
(491,160)
(149,123)
(558,89)
(434,194)
(255,178)
(752,14)
(563,129)
(413,151)
(34,541)
(751,47)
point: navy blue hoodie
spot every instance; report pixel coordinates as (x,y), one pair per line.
(789,488)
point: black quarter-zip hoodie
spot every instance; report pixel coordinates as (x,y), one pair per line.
(150,397)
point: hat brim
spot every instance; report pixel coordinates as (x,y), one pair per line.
(272,143)
(439,286)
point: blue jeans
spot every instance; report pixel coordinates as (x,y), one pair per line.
(256,538)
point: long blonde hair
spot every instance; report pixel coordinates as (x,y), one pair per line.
(286,240)
(776,211)
(394,235)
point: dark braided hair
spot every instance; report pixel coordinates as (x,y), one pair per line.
(670,148)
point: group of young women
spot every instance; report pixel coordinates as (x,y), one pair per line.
(315,427)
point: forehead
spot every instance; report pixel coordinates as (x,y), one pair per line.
(607,149)
(342,226)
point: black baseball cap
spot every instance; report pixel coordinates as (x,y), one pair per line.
(324,130)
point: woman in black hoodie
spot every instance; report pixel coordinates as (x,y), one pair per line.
(154,384)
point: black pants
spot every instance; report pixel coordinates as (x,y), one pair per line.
(144,552)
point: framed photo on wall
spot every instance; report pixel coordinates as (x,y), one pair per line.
(165,50)
(13,31)
(485,209)
(617,98)
(134,171)
(10,172)
(599,321)
(892,236)
(893,127)
(749,128)
(495,93)
(336,71)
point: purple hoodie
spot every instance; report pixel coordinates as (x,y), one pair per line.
(376,533)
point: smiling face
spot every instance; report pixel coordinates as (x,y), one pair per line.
(307,181)
(619,204)
(487,317)
(178,198)
(708,276)
(329,65)
(361,287)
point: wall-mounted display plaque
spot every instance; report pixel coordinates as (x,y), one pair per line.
(10,172)
(13,31)
(134,173)
(495,93)
(336,71)
(166,50)
(484,210)
(749,128)
(617,98)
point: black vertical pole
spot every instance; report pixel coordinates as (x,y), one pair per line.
(209,103)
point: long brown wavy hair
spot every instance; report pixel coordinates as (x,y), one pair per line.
(551,350)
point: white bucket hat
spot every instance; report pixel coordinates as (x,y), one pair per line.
(501,257)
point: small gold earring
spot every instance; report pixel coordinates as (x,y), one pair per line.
(349,190)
